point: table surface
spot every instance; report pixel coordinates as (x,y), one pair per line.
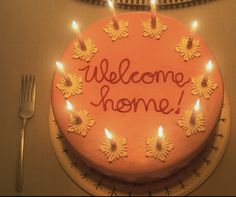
(33,34)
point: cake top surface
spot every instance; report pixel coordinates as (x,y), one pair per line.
(133,85)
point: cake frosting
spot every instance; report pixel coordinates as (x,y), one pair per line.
(131,86)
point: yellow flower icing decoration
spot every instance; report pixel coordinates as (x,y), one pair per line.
(80,123)
(70,85)
(117,153)
(188,53)
(87,54)
(203,90)
(186,125)
(148,31)
(121,32)
(161,154)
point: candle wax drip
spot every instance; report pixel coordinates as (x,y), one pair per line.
(78,119)
(153,23)
(204,81)
(190,42)
(113,145)
(83,46)
(115,24)
(193,118)
(159,146)
(68,81)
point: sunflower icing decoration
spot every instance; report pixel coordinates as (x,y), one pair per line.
(114,148)
(70,85)
(186,52)
(117,33)
(192,121)
(149,31)
(80,123)
(158,147)
(200,89)
(190,128)
(88,53)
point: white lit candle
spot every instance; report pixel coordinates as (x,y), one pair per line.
(61,69)
(113,14)
(209,67)
(160,135)
(194,111)
(110,138)
(69,106)
(193,30)
(194,26)
(71,109)
(153,12)
(80,39)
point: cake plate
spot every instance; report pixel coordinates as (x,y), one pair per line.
(145,4)
(181,183)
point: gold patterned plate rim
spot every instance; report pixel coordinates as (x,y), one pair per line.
(182,183)
(145,4)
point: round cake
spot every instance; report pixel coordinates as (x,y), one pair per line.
(134,90)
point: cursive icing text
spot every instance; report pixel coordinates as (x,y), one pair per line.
(103,74)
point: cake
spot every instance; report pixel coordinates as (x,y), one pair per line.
(139,88)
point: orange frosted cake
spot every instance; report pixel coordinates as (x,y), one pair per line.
(136,103)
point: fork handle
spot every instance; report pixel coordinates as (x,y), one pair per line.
(19,175)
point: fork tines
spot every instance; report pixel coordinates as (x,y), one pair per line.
(28,86)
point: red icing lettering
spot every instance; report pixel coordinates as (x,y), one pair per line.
(177,111)
(125,105)
(102,74)
(123,74)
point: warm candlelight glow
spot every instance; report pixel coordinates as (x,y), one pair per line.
(194,26)
(60,66)
(113,14)
(111,139)
(75,26)
(69,106)
(153,12)
(195,109)
(160,135)
(209,66)
(190,39)
(108,134)
(160,132)
(153,2)
(197,105)
(110,3)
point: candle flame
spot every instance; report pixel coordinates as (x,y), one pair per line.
(153,2)
(110,3)
(194,25)
(160,132)
(60,66)
(209,66)
(75,26)
(197,105)
(69,106)
(108,134)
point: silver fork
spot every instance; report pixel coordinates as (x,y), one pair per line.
(27,107)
